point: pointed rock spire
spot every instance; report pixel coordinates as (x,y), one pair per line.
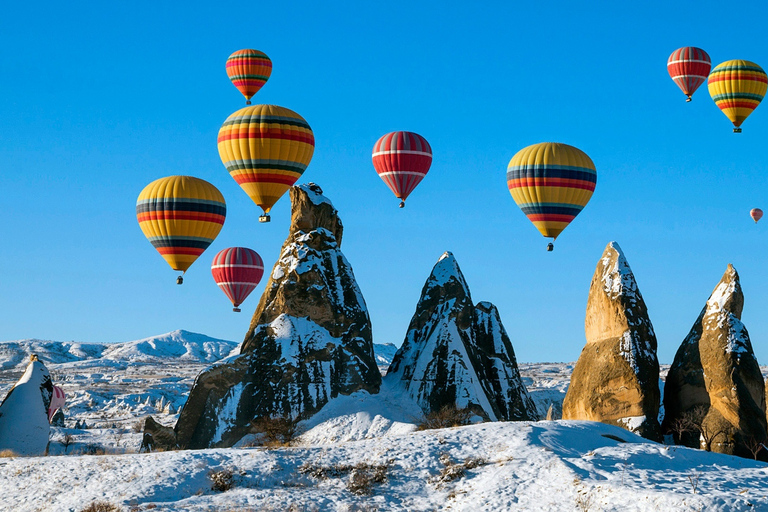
(309,341)
(616,379)
(457,354)
(24,427)
(715,381)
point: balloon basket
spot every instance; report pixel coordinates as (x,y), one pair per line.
(737,130)
(402,204)
(236,310)
(550,247)
(688,99)
(264,218)
(179,280)
(248,102)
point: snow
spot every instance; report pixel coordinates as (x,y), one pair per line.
(617,277)
(314,193)
(24,427)
(444,270)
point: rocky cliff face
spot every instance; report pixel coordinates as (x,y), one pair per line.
(715,381)
(309,340)
(616,379)
(24,427)
(457,354)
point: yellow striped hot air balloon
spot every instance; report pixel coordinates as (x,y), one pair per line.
(551,183)
(265,148)
(180,216)
(737,87)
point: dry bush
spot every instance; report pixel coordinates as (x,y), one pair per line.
(447,416)
(8,453)
(362,476)
(137,427)
(277,431)
(93,449)
(452,471)
(222,480)
(102,506)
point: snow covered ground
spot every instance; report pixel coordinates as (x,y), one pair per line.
(361,452)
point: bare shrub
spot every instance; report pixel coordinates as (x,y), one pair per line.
(362,476)
(694,477)
(7,454)
(276,431)
(101,506)
(137,427)
(454,470)
(755,447)
(447,416)
(584,499)
(691,426)
(93,449)
(67,440)
(222,480)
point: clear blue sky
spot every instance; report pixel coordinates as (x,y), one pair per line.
(98,100)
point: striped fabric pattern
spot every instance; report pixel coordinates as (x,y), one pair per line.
(265,148)
(180,216)
(249,70)
(689,67)
(737,87)
(756,214)
(237,271)
(402,159)
(551,183)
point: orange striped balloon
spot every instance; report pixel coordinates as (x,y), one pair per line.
(737,87)
(249,70)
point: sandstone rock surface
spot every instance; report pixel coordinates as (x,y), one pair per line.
(616,379)
(715,379)
(456,353)
(309,341)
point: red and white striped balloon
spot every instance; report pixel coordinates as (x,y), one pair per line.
(689,67)
(402,159)
(237,271)
(756,214)
(58,399)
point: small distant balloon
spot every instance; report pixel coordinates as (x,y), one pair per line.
(402,159)
(237,271)
(249,70)
(688,67)
(737,88)
(756,214)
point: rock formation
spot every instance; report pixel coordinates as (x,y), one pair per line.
(459,354)
(157,437)
(714,386)
(616,379)
(24,427)
(309,341)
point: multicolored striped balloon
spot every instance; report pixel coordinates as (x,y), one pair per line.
(756,214)
(249,70)
(402,159)
(551,183)
(738,87)
(689,66)
(266,148)
(180,216)
(237,271)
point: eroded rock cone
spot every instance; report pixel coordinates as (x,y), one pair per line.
(309,341)
(157,437)
(616,379)
(457,354)
(714,395)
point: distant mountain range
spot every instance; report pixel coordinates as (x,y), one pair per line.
(178,345)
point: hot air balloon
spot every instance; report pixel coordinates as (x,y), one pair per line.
(265,148)
(237,271)
(402,159)
(737,86)
(249,70)
(58,399)
(551,183)
(689,66)
(180,216)
(756,214)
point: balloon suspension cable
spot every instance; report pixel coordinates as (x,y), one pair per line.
(236,309)
(180,280)
(264,218)
(737,130)
(402,204)
(550,247)
(688,99)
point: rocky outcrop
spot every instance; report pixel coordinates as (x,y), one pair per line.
(714,386)
(616,379)
(309,341)
(458,354)
(157,437)
(24,427)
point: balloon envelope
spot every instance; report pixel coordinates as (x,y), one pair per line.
(402,159)
(265,148)
(249,70)
(58,399)
(689,67)
(237,271)
(737,87)
(180,216)
(551,183)
(756,214)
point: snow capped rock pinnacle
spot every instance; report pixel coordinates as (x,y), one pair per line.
(24,427)
(617,277)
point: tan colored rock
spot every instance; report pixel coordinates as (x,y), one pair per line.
(616,379)
(714,384)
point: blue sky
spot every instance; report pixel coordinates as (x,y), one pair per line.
(99,99)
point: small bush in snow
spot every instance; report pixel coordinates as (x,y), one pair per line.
(222,480)
(277,431)
(447,416)
(102,506)
(452,471)
(93,449)
(362,476)
(7,453)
